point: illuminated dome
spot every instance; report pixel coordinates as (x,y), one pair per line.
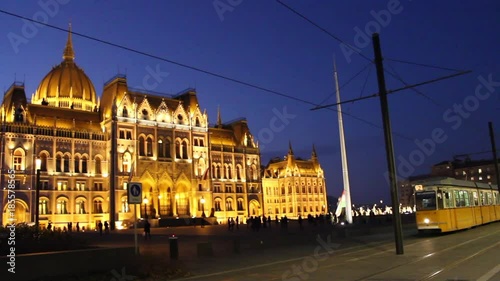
(66,85)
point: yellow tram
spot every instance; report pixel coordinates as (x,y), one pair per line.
(448,204)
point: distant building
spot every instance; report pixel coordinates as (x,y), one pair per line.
(294,187)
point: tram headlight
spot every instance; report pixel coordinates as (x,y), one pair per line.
(427,221)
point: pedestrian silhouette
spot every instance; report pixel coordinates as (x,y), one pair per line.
(147,230)
(106,227)
(100,228)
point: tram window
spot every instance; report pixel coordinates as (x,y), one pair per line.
(448,203)
(458,202)
(425,200)
(475,200)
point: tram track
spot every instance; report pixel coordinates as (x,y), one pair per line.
(435,255)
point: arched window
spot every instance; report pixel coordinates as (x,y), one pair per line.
(185,150)
(229,204)
(161,149)
(240,204)
(254,172)
(97,208)
(177,149)
(197,123)
(18,159)
(43,166)
(218,172)
(214,170)
(142,146)
(98,169)
(149,146)
(217,204)
(167,149)
(238,172)
(84,165)
(62,206)
(125,112)
(145,114)
(59,163)
(80,206)
(77,164)
(66,163)
(43,206)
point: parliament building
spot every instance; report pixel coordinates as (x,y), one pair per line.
(89,148)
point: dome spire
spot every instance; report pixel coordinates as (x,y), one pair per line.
(69,54)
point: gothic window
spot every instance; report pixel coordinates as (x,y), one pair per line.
(84,164)
(43,166)
(145,114)
(197,124)
(218,171)
(167,149)
(125,112)
(98,166)
(58,163)
(142,146)
(160,148)
(66,164)
(77,164)
(185,149)
(240,204)
(177,149)
(179,118)
(238,172)
(149,146)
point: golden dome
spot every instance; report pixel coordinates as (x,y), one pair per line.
(67,85)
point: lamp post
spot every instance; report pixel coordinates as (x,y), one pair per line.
(38,166)
(145,201)
(202,201)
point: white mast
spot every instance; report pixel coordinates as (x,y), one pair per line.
(345,172)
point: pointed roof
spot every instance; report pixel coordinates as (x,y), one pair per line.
(219,118)
(314,155)
(290,150)
(69,53)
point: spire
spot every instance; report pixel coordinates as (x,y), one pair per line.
(69,54)
(290,150)
(314,155)
(219,118)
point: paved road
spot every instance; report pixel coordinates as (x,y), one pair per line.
(466,255)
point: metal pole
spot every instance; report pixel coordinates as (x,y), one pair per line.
(37,199)
(495,160)
(388,144)
(135,230)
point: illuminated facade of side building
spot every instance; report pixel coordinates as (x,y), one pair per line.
(294,187)
(90,148)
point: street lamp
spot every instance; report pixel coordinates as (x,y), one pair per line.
(202,201)
(38,166)
(145,201)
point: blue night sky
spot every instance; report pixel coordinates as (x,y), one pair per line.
(265,44)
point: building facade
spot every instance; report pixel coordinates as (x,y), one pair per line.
(91,147)
(294,187)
